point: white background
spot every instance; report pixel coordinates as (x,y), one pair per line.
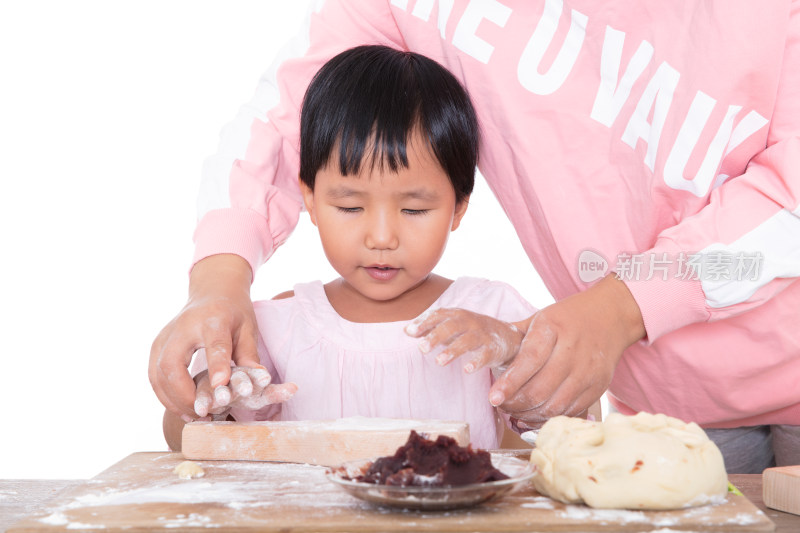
(107,110)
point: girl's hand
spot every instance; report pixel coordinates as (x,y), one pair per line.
(249,388)
(218,317)
(569,354)
(482,340)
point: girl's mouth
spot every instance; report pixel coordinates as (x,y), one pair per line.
(381,272)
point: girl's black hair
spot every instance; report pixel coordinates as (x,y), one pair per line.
(368,100)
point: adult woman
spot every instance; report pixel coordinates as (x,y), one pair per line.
(645,138)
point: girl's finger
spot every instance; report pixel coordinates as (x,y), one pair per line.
(444,334)
(272,394)
(222,396)
(470,341)
(240,383)
(425,322)
(280,393)
(259,376)
(479,358)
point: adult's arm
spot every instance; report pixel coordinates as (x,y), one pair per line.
(219,317)
(750,220)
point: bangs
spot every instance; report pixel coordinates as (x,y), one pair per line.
(365,104)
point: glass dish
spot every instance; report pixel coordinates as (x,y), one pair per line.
(518,471)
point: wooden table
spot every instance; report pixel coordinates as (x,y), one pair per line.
(19,498)
(750,485)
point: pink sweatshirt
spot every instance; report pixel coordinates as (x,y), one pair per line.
(655,138)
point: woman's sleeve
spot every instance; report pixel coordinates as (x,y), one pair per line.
(249,199)
(743,248)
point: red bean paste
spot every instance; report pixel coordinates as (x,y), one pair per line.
(439,463)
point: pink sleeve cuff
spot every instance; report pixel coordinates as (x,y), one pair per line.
(233,231)
(667,305)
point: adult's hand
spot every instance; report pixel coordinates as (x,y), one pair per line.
(218,317)
(569,353)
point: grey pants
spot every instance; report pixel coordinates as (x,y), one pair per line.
(749,450)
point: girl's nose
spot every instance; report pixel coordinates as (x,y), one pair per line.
(381,233)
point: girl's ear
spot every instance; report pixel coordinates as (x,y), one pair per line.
(461,208)
(308,200)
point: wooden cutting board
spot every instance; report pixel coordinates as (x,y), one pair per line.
(141,493)
(319,442)
(782,488)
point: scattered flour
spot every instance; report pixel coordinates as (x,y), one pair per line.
(540,502)
(303,486)
(192,520)
(743,519)
(80,525)
(668,530)
(619,516)
(55,519)
(283,485)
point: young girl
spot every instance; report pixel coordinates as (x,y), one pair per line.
(388,148)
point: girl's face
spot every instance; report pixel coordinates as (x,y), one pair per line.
(382,231)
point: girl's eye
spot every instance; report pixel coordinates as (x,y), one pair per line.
(416,212)
(349,209)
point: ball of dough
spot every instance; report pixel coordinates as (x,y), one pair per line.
(188,470)
(644,461)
